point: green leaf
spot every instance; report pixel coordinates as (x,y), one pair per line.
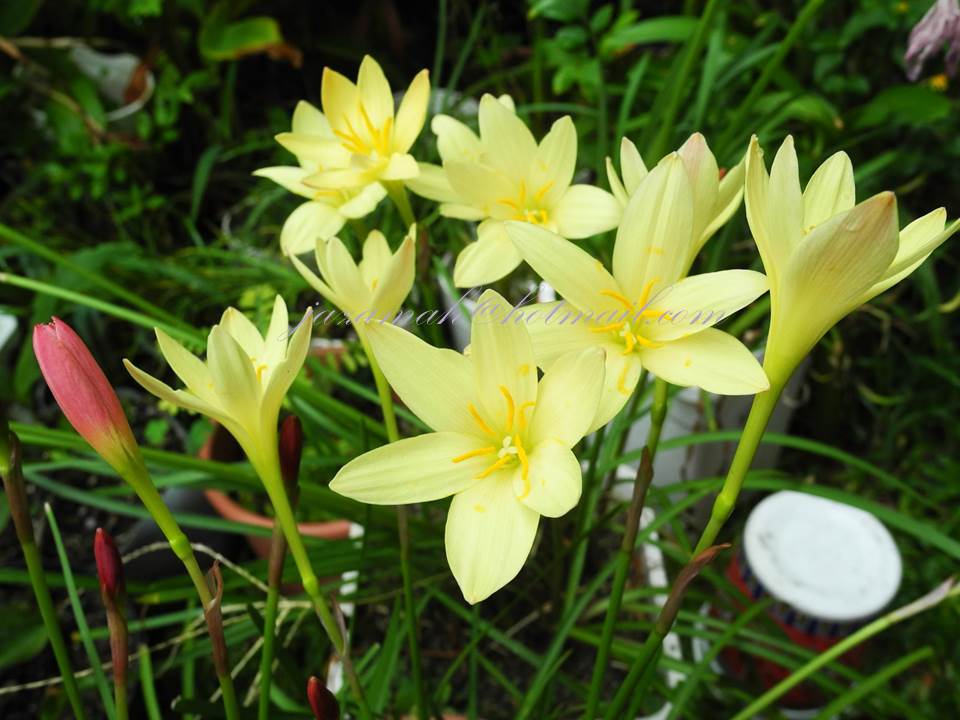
(669,29)
(223,39)
(562,10)
(904,105)
(22,636)
(16,15)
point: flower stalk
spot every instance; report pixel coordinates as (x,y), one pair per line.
(291,448)
(20,515)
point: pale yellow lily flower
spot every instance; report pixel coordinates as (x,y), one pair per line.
(646,314)
(504,174)
(373,288)
(824,255)
(501,443)
(715,198)
(327,210)
(243,382)
(370,141)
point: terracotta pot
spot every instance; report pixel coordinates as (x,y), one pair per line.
(222,447)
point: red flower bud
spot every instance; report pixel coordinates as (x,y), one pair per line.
(322,701)
(109,564)
(84,394)
(291,448)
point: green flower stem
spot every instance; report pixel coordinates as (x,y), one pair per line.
(19,513)
(658,413)
(120,700)
(624,557)
(760,412)
(393,434)
(140,480)
(278,550)
(398,193)
(947,590)
(283,512)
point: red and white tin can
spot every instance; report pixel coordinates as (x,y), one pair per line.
(829,568)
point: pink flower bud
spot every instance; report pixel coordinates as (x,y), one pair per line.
(291,448)
(322,701)
(84,394)
(109,564)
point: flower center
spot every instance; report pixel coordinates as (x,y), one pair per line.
(367,139)
(529,209)
(507,445)
(628,329)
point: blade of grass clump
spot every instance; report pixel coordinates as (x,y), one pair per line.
(147,686)
(735,125)
(464,54)
(634,78)
(663,121)
(83,629)
(836,706)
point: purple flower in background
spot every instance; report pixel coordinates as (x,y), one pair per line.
(940,25)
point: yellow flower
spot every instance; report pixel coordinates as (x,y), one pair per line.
(370,143)
(824,255)
(646,314)
(501,446)
(715,198)
(503,175)
(376,287)
(328,209)
(243,381)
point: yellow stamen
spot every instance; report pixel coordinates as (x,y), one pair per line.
(646,292)
(510,203)
(480,422)
(641,340)
(651,313)
(475,453)
(617,296)
(387,129)
(510,406)
(366,121)
(260,369)
(543,191)
(522,454)
(608,328)
(523,419)
(493,468)
(523,192)
(631,341)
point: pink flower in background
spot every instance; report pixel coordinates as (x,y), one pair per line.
(940,25)
(84,394)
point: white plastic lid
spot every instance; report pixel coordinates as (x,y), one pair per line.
(828,560)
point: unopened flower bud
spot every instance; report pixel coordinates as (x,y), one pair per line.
(322,701)
(84,395)
(109,564)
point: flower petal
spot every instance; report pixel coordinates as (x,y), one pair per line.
(343,275)
(234,379)
(655,234)
(374,90)
(917,241)
(315,282)
(286,371)
(488,536)
(310,222)
(492,257)
(830,191)
(584,210)
(181,398)
(376,258)
(479,185)
(553,483)
(507,141)
(620,375)
(554,162)
(339,97)
(314,150)
(363,202)
(400,167)
(774,249)
(577,276)
(455,141)
(568,397)
(407,362)
(432,183)
(632,166)
(710,359)
(701,301)
(417,469)
(784,200)
(289,177)
(308,120)
(502,358)
(704,180)
(396,280)
(555,329)
(412,112)
(728,200)
(616,187)
(191,370)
